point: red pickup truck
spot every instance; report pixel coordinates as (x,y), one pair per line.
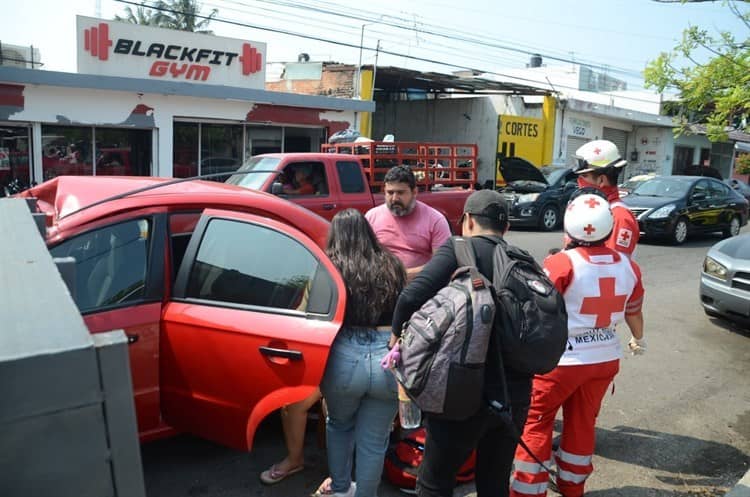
(350,175)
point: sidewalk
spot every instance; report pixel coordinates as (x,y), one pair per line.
(742,489)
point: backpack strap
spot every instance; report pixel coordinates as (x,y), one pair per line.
(464,251)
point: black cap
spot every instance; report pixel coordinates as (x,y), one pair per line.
(487,203)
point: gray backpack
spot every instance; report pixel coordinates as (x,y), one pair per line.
(444,344)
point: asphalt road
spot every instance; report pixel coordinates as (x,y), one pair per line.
(678,423)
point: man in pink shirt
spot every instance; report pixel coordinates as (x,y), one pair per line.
(409,228)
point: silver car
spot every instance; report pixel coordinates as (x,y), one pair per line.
(725,280)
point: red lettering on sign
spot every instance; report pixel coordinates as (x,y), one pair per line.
(196,72)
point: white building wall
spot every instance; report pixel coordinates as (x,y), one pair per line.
(86,107)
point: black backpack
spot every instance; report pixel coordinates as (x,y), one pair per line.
(531,321)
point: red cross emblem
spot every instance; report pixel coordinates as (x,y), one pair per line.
(592,202)
(624,235)
(597,151)
(589,229)
(606,304)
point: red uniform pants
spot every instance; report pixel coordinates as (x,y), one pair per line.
(579,390)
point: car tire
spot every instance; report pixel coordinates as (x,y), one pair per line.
(734,227)
(549,218)
(679,233)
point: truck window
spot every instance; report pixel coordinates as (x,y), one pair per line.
(305,178)
(350,177)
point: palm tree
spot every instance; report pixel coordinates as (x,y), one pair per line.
(184,15)
(142,15)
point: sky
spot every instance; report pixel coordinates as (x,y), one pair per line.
(616,36)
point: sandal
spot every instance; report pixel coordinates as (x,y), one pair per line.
(325,490)
(274,475)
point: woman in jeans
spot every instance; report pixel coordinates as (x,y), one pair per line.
(361,397)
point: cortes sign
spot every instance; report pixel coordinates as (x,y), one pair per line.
(121,49)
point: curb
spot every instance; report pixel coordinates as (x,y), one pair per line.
(742,488)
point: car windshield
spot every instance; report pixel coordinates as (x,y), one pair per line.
(553,174)
(248,175)
(662,187)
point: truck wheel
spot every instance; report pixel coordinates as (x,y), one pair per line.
(548,218)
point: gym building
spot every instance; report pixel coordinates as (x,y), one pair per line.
(154,102)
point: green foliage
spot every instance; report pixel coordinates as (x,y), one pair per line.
(715,92)
(742,164)
(183,15)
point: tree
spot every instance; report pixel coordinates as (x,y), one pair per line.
(714,92)
(183,15)
(142,15)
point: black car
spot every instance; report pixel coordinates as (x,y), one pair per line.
(536,196)
(673,207)
(740,187)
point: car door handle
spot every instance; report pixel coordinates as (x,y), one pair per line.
(329,207)
(294,355)
(133,338)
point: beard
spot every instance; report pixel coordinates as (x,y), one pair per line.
(400,210)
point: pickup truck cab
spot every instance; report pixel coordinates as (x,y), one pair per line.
(345,180)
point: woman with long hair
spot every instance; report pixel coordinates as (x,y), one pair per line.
(361,397)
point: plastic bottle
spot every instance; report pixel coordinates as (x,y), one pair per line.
(410,416)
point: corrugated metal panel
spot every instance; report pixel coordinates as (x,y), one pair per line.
(574,143)
(619,138)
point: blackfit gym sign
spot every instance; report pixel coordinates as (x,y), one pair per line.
(121,49)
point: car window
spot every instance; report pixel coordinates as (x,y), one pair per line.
(247,264)
(719,190)
(350,177)
(700,187)
(662,187)
(305,178)
(110,264)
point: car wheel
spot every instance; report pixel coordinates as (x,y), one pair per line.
(548,218)
(734,227)
(679,234)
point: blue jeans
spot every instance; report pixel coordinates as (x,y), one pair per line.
(362,402)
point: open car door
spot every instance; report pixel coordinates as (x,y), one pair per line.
(255,309)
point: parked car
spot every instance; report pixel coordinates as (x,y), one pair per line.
(725,280)
(628,186)
(226,295)
(673,207)
(740,187)
(535,196)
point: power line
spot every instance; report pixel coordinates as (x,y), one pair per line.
(351,45)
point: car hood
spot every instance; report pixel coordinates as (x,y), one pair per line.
(642,201)
(515,169)
(737,247)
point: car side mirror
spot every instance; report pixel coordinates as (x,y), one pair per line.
(277,188)
(571,184)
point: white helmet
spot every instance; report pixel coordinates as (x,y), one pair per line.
(588,219)
(598,154)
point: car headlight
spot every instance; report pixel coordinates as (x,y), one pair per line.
(527,197)
(713,268)
(662,212)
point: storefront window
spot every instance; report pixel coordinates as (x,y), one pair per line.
(185,151)
(123,152)
(263,140)
(14,157)
(221,149)
(66,151)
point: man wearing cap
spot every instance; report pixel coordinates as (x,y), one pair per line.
(449,443)
(598,165)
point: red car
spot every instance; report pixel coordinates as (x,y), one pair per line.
(226,295)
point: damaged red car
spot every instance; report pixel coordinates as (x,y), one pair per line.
(228,300)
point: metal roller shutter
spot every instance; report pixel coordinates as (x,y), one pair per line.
(574,143)
(619,138)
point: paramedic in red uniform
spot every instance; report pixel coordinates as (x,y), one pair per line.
(599,165)
(601,288)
